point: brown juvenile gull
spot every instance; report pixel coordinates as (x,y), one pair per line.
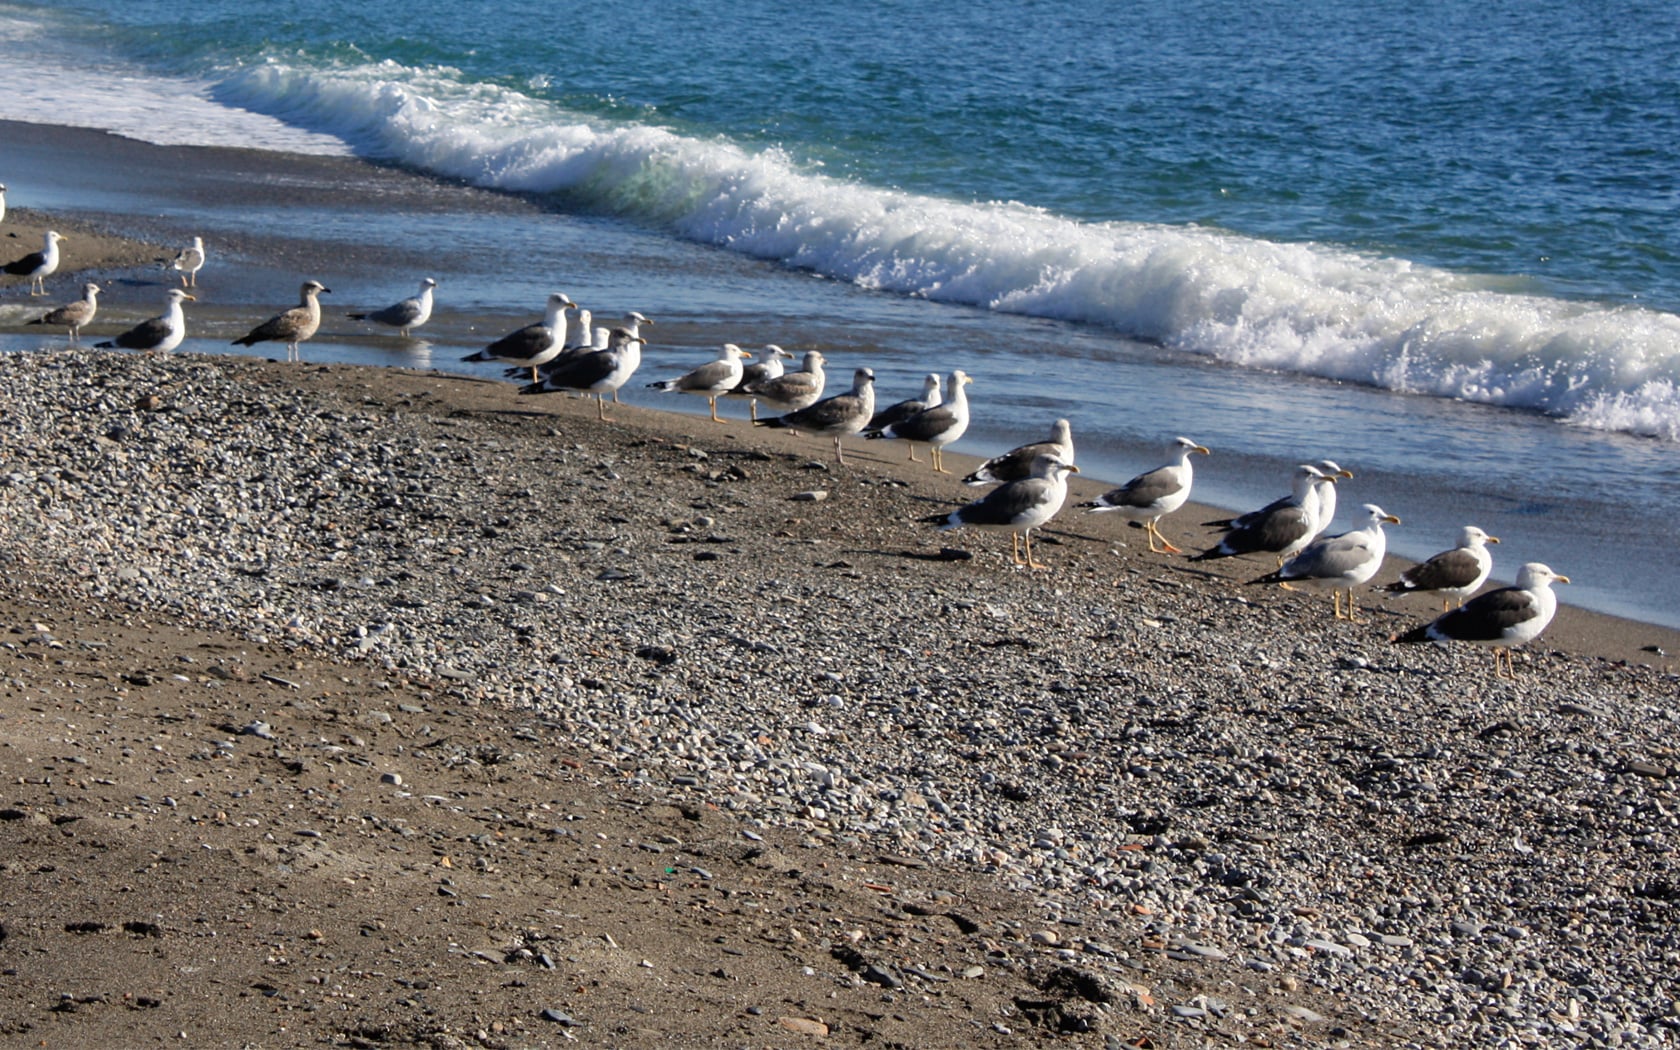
(1451,574)
(1339,563)
(760,372)
(1019,506)
(899,411)
(1502,619)
(407,315)
(534,345)
(1017,462)
(792,391)
(835,416)
(74,315)
(597,372)
(712,379)
(293,326)
(187,262)
(1151,496)
(1280,528)
(937,426)
(38,266)
(159,334)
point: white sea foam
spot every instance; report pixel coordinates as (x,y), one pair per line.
(48,78)
(1304,308)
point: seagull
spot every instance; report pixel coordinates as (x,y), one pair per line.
(1282,527)
(938,426)
(712,379)
(1451,574)
(1017,462)
(899,411)
(1019,506)
(38,266)
(632,323)
(792,391)
(1339,563)
(535,344)
(762,371)
(1324,507)
(2,203)
(407,315)
(1150,497)
(188,261)
(582,336)
(835,416)
(74,315)
(159,334)
(293,326)
(1502,619)
(1326,490)
(597,372)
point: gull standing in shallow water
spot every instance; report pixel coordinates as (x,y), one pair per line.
(712,379)
(1501,619)
(535,344)
(758,372)
(74,315)
(38,266)
(1151,496)
(1017,463)
(159,334)
(836,416)
(597,372)
(187,262)
(1019,506)
(1451,574)
(407,315)
(937,426)
(899,411)
(293,326)
(1339,563)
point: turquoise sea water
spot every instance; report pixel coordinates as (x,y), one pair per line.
(1436,242)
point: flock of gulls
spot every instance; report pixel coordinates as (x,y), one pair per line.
(1029,483)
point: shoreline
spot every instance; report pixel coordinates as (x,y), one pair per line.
(108,256)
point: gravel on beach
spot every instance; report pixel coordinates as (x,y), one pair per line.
(1348,841)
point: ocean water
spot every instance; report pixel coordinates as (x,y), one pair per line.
(1436,243)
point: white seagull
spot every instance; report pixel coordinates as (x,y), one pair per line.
(407,315)
(1339,563)
(712,379)
(1017,462)
(38,266)
(535,344)
(1501,619)
(1019,506)
(1282,527)
(187,262)
(1151,496)
(760,372)
(835,416)
(937,426)
(597,372)
(792,391)
(1451,574)
(159,334)
(899,411)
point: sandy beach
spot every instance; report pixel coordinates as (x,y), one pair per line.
(470,720)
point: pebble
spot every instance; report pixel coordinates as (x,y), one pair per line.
(1272,781)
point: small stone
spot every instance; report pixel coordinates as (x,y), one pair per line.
(810,496)
(803,1025)
(394,779)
